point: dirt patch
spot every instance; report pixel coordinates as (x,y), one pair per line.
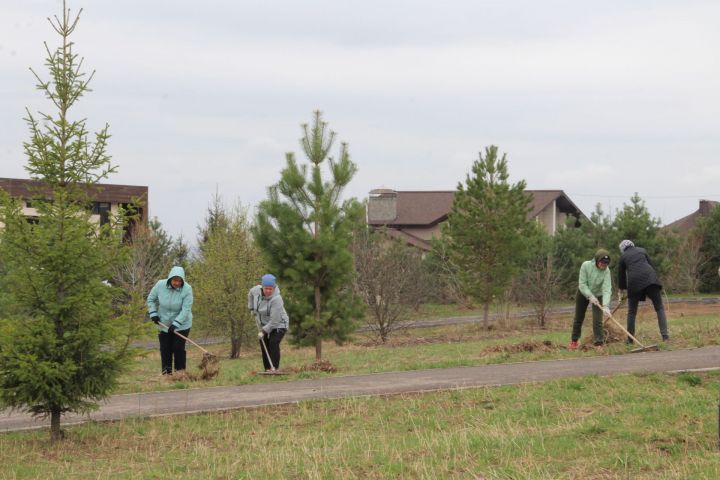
(321,366)
(535,346)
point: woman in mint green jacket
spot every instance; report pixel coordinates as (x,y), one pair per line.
(170,307)
(594,287)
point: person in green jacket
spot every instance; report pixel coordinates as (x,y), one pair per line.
(594,287)
(170,307)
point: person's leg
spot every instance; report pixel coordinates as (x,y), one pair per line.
(631,314)
(266,362)
(165,352)
(598,332)
(274,340)
(581,304)
(179,349)
(655,295)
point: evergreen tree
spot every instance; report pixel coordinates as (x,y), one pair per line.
(229,265)
(65,349)
(486,228)
(305,231)
(709,230)
(634,222)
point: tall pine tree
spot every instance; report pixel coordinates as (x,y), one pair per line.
(305,231)
(65,349)
(486,229)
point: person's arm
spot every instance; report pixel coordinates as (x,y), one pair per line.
(277,307)
(152,301)
(186,308)
(622,277)
(607,288)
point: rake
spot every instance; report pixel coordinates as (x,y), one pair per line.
(643,348)
(210,365)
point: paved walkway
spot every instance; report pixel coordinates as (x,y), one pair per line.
(279,392)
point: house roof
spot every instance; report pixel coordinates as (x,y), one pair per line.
(428,208)
(104,192)
(687,223)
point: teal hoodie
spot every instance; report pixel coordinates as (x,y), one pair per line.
(172,305)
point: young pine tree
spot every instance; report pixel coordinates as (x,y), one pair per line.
(305,231)
(64,350)
(229,265)
(486,229)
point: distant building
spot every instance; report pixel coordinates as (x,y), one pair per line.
(107,199)
(415,216)
(687,223)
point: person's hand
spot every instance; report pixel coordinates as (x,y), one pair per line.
(621,294)
(606,311)
(261,334)
(171,329)
(594,300)
(155,319)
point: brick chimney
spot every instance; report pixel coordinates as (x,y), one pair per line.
(706,206)
(382,206)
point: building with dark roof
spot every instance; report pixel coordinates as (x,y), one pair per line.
(687,223)
(415,216)
(107,199)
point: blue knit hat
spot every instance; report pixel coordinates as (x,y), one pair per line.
(268,280)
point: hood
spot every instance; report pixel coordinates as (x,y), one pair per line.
(176,272)
(601,253)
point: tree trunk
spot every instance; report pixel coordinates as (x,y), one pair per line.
(234,340)
(486,315)
(318,338)
(55,433)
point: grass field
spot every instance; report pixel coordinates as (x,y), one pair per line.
(425,348)
(623,427)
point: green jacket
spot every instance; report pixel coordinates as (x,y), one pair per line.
(172,305)
(595,282)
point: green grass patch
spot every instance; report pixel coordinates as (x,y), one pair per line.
(631,426)
(424,348)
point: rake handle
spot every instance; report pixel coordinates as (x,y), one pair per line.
(188,340)
(610,316)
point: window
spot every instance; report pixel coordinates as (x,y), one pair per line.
(102,209)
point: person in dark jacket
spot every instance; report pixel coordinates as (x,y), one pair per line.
(170,307)
(637,275)
(265,302)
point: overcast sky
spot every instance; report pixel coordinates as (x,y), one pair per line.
(599,99)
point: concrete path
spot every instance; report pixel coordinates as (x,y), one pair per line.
(276,391)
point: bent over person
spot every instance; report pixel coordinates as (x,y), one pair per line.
(265,302)
(637,275)
(170,307)
(594,287)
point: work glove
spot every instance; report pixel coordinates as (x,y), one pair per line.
(606,311)
(171,329)
(261,334)
(594,300)
(155,319)
(621,295)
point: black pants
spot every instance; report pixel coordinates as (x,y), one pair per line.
(272,342)
(172,347)
(653,292)
(581,304)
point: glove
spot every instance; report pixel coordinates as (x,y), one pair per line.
(594,300)
(621,295)
(155,319)
(171,329)
(606,311)
(261,334)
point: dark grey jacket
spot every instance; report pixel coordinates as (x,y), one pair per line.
(635,271)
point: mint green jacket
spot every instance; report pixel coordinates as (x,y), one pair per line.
(172,305)
(595,282)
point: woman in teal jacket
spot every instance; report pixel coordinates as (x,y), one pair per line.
(170,307)
(594,287)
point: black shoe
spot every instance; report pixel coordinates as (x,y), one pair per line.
(666,338)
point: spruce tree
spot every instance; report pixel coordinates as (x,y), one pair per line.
(486,229)
(305,231)
(65,348)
